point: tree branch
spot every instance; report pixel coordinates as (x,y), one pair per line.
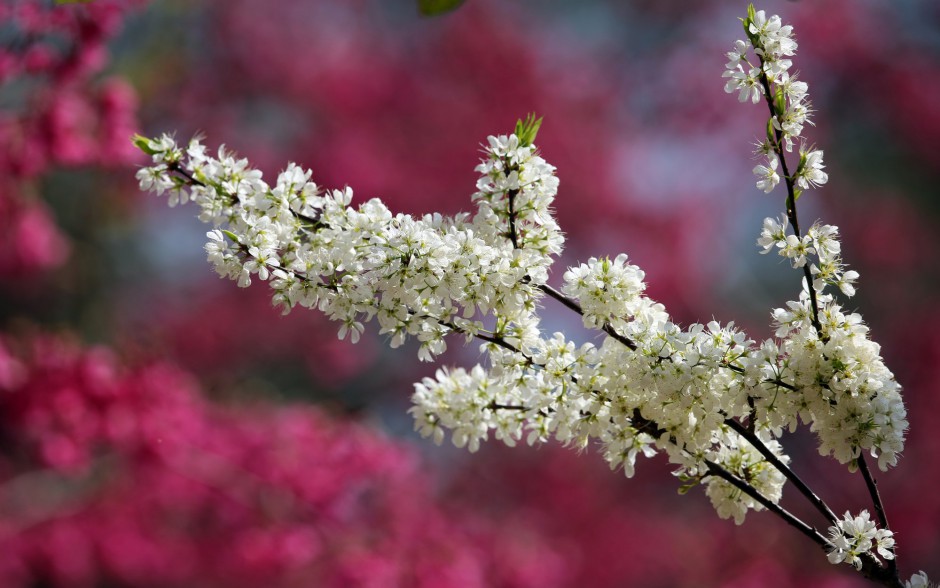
(791,196)
(789,518)
(783,468)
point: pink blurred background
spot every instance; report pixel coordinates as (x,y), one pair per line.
(163,428)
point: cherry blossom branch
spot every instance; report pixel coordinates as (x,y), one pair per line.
(791,211)
(778,510)
(791,194)
(789,518)
(784,469)
(722,398)
(573,305)
(644,425)
(752,438)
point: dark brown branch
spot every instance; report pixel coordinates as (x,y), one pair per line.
(873,490)
(872,485)
(783,468)
(513,238)
(192,181)
(789,518)
(871,568)
(573,305)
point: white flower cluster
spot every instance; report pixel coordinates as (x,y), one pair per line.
(713,400)
(607,289)
(821,241)
(743,460)
(853,537)
(419,277)
(787,96)
(830,373)
(649,386)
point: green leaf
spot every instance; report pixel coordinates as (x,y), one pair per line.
(771,135)
(527,129)
(751,14)
(796,194)
(143,143)
(437,7)
(74,1)
(230,235)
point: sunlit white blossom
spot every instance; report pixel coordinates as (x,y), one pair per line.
(767,175)
(853,537)
(810,173)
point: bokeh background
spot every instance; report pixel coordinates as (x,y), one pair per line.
(162,428)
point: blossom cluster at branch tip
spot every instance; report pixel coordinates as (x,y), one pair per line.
(851,538)
(769,78)
(833,371)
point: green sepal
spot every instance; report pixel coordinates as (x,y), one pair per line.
(143,143)
(751,15)
(231,235)
(780,101)
(690,482)
(527,129)
(796,194)
(437,7)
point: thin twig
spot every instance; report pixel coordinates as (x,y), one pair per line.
(573,305)
(873,490)
(789,518)
(512,219)
(872,485)
(791,197)
(784,469)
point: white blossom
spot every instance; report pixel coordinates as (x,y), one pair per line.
(767,175)
(745,82)
(810,172)
(773,234)
(853,537)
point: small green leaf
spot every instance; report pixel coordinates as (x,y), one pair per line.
(143,143)
(771,135)
(230,235)
(751,14)
(796,194)
(527,129)
(436,7)
(74,1)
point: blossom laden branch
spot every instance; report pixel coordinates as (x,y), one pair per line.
(648,385)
